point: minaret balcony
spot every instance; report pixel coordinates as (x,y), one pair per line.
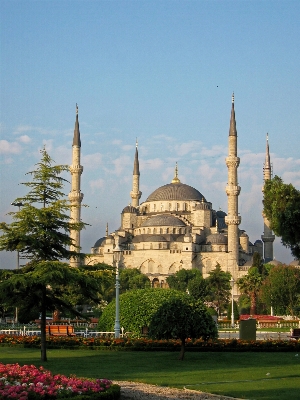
(135,195)
(232,161)
(76,169)
(232,190)
(75,196)
(268,239)
(233,220)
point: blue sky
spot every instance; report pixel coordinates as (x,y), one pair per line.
(161,71)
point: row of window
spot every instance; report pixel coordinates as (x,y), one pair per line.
(179,231)
(166,207)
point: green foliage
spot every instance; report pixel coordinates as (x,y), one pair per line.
(219,287)
(250,285)
(198,288)
(282,209)
(132,278)
(244,304)
(40,229)
(181,278)
(136,309)
(281,289)
(179,319)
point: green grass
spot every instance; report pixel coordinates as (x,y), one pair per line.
(242,375)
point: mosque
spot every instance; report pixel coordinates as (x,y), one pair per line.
(176,226)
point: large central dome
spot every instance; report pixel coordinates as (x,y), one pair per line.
(175,191)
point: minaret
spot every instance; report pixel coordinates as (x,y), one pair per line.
(75,195)
(135,194)
(268,237)
(233,190)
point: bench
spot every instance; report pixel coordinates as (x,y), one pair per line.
(295,333)
(60,330)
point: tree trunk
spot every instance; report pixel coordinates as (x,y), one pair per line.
(182,350)
(253,303)
(43,327)
(56,315)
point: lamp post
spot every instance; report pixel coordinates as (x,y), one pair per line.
(232,308)
(117,256)
(19,204)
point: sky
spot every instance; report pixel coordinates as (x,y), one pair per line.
(159,71)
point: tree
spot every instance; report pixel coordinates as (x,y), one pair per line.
(282,209)
(136,309)
(219,287)
(250,285)
(281,289)
(179,319)
(198,288)
(41,232)
(181,278)
(132,278)
(41,286)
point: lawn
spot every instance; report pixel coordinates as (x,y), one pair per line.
(264,376)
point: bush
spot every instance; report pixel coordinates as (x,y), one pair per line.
(137,308)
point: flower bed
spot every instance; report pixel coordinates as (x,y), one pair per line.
(31,383)
(145,344)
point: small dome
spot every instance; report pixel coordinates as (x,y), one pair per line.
(175,191)
(129,209)
(99,242)
(163,220)
(216,238)
(244,235)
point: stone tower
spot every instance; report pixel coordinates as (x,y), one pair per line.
(135,194)
(75,195)
(233,190)
(268,237)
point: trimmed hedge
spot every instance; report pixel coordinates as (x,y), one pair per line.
(137,308)
(144,344)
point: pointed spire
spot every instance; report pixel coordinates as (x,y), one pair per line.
(232,128)
(267,166)
(76,137)
(176,179)
(136,167)
(106,232)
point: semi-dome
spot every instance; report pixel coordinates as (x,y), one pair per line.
(175,191)
(216,238)
(99,242)
(129,209)
(163,220)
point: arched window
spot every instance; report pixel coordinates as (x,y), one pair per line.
(154,230)
(170,206)
(154,207)
(177,206)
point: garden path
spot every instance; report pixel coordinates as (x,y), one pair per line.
(142,391)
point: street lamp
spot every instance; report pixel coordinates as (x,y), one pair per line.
(232,309)
(117,252)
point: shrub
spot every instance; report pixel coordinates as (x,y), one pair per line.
(137,308)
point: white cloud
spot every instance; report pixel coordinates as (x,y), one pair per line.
(9,147)
(117,142)
(23,128)
(24,139)
(187,147)
(97,184)
(92,161)
(120,164)
(127,147)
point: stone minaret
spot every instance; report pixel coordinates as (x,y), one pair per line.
(75,195)
(233,190)
(268,237)
(135,194)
